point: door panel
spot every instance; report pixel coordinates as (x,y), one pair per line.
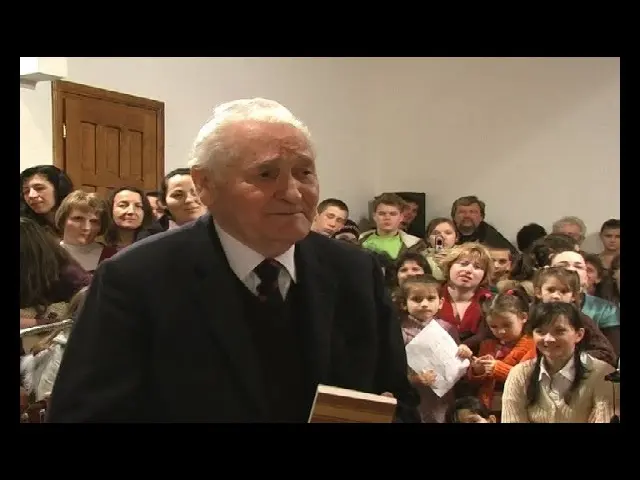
(109,139)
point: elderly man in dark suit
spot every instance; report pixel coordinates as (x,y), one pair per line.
(238,316)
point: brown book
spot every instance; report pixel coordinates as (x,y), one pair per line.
(340,405)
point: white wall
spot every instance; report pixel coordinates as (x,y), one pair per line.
(535,138)
(325,93)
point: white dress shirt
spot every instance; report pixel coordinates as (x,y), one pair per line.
(243,260)
(558,384)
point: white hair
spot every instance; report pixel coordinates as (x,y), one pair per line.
(210,150)
(558,224)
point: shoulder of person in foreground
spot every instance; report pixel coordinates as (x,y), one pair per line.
(159,249)
(358,267)
(102,373)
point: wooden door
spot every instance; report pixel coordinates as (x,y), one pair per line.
(105,140)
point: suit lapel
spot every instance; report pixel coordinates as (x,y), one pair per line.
(222,309)
(318,297)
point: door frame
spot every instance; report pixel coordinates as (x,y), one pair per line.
(60,89)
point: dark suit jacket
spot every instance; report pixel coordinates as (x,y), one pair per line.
(161,339)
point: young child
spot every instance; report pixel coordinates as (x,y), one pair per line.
(469,410)
(558,284)
(506,316)
(418,299)
(563,384)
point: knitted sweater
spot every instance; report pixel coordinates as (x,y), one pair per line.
(592,402)
(488,383)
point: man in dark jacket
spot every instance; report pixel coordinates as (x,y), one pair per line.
(468,215)
(238,316)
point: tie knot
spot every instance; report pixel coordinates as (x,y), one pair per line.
(268,290)
(268,270)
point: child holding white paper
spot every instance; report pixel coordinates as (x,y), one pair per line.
(418,300)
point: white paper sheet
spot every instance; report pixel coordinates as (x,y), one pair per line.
(434,349)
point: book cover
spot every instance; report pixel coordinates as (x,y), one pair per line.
(341,405)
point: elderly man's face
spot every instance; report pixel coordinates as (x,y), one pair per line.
(572,230)
(267,196)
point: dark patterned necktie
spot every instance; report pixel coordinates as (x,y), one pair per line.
(269,290)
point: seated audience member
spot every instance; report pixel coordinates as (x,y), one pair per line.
(572,226)
(81,218)
(387,236)
(539,255)
(409,215)
(604,313)
(42,189)
(469,410)
(129,216)
(563,384)
(610,238)
(418,300)
(506,316)
(600,283)
(49,276)
(529,234)
(180,199)
(331,216)
(467,269)
(502,264)
(557,284)
(156,204)
(348,233)
(441,236)
(410,264)
(468,213)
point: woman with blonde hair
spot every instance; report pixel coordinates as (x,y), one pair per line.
(467,269)
(81,218)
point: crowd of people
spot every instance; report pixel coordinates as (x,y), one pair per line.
(234,285)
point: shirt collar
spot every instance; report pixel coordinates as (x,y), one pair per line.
(568,371)
(243,259)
